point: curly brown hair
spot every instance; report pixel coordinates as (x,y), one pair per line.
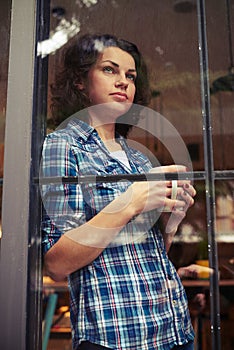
(78,59)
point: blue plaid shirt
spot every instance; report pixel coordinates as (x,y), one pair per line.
(130,297)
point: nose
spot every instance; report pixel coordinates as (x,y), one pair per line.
(121,81)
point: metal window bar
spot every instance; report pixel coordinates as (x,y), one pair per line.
(210,177)
(84,179)
(39,113)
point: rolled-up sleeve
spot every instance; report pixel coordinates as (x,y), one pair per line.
(62,203)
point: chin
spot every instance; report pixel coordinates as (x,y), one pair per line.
(119,108)
(110,109)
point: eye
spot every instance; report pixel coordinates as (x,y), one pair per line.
(131,76)
(108,69)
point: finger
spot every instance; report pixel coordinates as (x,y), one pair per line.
(189,189)
(175,204)
(182,183)
(187,198)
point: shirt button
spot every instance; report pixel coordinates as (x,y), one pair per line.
(174,302)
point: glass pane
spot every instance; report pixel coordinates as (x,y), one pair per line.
(167,34)
(220,49)
(173,60)
(225,243)
(222,81)
(5,13)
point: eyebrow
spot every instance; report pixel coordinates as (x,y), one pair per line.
(116,65)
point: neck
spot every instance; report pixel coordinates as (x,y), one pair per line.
(103,118)
(104,126)
(106,132)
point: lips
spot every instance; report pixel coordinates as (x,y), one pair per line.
(120,95)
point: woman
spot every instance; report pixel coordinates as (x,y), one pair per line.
(125,293)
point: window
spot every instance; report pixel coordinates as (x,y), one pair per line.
(188,49)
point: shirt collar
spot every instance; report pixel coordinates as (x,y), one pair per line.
(80,129)
(90,140)
(83,130)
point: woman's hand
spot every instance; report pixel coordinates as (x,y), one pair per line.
(171,221)
(172,203)
(149,195)
(186,194)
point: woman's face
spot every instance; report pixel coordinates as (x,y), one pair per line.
(112,78)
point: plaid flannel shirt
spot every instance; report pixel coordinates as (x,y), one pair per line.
(130,297)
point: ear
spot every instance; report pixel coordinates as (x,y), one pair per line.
(80,86)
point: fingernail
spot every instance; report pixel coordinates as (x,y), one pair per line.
(186,186)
